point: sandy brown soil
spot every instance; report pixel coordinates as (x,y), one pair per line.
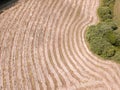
(42,47)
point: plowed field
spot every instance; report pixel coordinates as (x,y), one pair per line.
(42,47)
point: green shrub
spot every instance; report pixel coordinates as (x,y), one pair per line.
(103,39)
(112,25)
(117,43)
(99,45)
(110,37)
(108,50)
(109,3)
(105,13)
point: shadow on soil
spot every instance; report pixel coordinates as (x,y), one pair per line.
(5,4)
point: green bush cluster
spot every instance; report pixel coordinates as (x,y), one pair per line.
(105,13)
(102,38)
(109,3)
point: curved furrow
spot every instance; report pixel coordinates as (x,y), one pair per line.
(75,35)
(2,66)
(43,81)
(52,18)
(58,28)
(67,59)
(8,19)
(66,41)
(26,22)
(89,67)
(51,45)
(104,71)
(5,46)
(32,11)
(24,68)
(102,65)
(50,84)
(23,10)
(31,67)
(68,50)
(25,75)
(35,57)
(103,68)
(82,21)
(50,68)
(55,61)
(107,66)
(29,64)
(44,78)
(13,64)
(42,47)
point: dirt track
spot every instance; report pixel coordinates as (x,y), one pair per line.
(42,47)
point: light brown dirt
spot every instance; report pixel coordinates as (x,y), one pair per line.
(42,47)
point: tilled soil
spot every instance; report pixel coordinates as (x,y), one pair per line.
(42,47)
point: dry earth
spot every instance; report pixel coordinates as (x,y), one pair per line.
(42,47)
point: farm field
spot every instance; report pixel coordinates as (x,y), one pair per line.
(42,47)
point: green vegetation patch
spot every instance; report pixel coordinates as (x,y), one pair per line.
(103,38)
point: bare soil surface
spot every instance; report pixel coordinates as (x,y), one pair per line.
(42,47)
